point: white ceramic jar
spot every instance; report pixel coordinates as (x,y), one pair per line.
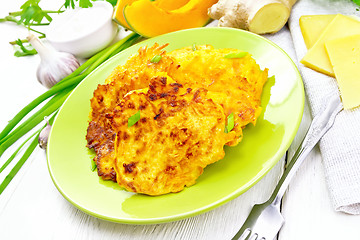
(83,31)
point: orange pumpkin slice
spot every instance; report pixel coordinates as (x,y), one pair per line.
(164,4)
(149,20)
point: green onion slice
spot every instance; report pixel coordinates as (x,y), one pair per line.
(93,165)
(236,55)
(134,119)
(230,123)
(156,59)
(194,48)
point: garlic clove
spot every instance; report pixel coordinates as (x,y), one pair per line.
(44,135)
(54,65)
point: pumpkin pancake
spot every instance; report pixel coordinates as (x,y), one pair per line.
(239,80)
(180,132)
(227,79)
(134,74)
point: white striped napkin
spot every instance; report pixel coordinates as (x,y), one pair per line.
(340,147)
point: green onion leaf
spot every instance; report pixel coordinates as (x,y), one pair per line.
(194,48)
(230,123)
(19,126)
(134,119)
(16,152)
(236,55)
(156,59)
(93,165)
(19,164)
(357,2)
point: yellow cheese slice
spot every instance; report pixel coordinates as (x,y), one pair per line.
(312,26)
(341,26)
(344,55)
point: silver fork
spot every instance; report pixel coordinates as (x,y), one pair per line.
(265,220)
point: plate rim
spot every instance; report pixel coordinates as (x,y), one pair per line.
(212,205)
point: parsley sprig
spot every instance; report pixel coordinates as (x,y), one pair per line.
(32,15)
(82,3)
(24,50)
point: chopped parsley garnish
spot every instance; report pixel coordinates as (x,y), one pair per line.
(134,119)
(230,123)
(236,55)
(194,48)
(93,165)
(156,59)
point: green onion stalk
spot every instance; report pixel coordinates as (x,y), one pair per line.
(56,96)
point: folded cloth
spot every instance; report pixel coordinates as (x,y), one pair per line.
(340,147)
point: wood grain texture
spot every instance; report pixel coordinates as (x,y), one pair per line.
(32,208)
(306,206)
(41,211)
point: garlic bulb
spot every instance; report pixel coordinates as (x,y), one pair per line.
(54,65)
(44,135)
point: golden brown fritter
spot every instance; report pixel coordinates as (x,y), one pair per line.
(231,85)
(179,133)
(239,80)
(134,74)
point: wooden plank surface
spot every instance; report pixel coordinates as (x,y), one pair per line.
(307,207)
(32,208)
(41,211)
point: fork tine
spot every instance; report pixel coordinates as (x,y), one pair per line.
(245,234)
(253,236)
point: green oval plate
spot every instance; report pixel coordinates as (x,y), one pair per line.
(69,160)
